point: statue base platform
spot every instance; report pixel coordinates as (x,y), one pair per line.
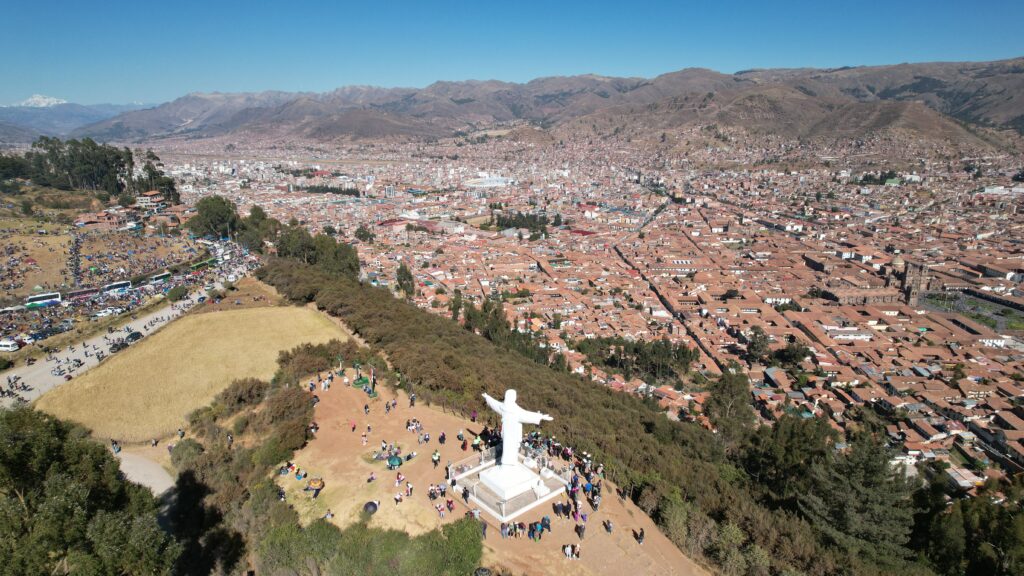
(507,482)
(506,492)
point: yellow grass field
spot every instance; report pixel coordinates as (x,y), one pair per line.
(147,390)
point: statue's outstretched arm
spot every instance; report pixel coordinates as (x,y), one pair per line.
(494,404)
(527,417)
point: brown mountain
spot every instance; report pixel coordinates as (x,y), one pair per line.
(13,134)
(926,99)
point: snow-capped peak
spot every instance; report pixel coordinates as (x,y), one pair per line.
(40,101)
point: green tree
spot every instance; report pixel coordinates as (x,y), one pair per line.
(727,549)
(861,502)
(66,508)
(177,293)
(792,354)
(153,178)
(13,167)
(948,542)
(780,457)
(758,344)
(363,234)
(215,216)
(406,283)
(455,305)
(729,407)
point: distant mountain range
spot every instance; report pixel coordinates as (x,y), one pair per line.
(946,101)
(38,115)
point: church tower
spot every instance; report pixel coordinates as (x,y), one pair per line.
(913,277)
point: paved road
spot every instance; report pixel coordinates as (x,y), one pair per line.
(43,375)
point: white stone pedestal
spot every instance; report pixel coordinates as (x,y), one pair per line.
(507,482)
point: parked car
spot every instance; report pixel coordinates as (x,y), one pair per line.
(134,337)
(117,347)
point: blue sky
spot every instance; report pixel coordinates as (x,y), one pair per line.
(114,51)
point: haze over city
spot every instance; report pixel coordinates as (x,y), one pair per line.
(448,288)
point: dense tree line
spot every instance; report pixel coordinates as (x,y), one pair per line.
(153,178)
(322,189)
(322,251)
(65,508)
(976,536)
(878,179)
(779,499)
(218,217)
(657,362)
(489,321)
(87,165)
(535,223)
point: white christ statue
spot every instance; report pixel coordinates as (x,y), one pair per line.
(512,419)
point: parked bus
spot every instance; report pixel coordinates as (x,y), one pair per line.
(43,300)
(118,287)
(85,294)
(204,264)
(159,279)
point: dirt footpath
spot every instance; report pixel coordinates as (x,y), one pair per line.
(146,472)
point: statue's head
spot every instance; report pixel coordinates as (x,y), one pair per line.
(510,395)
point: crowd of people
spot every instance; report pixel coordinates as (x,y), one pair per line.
(577,505)
(89,259)
(13,387)
(20,269)
(40,323)
(105,257)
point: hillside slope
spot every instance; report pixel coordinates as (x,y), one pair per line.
(920,98)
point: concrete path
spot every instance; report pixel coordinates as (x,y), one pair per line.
(41,376)
(144,471)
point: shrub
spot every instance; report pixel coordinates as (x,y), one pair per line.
(241,424)
(177,293)
(271,453)
(287,404)
(185,454)
(241,393)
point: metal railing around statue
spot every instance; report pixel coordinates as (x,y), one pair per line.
(474,461)
(540,456)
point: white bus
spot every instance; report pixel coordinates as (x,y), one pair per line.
(43,300)
(118,287)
